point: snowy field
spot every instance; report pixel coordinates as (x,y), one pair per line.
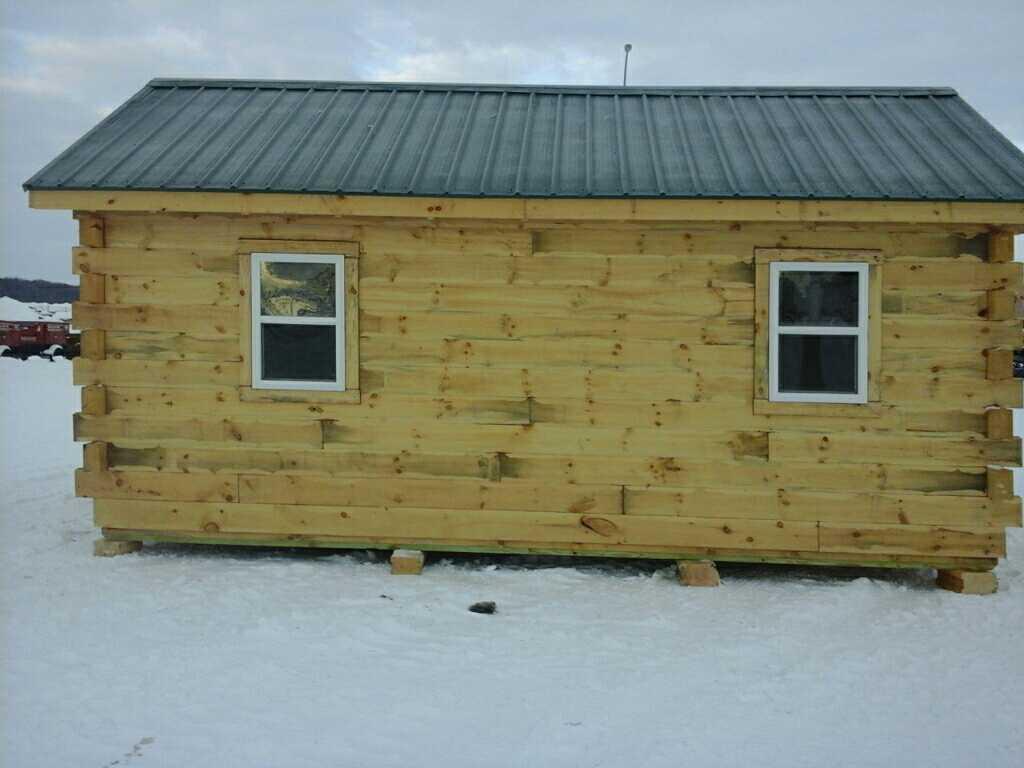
(183,656)
(14,311)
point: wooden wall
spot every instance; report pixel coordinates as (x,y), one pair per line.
(573,388)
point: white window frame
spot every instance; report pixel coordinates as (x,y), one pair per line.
(259,319)
(860,331)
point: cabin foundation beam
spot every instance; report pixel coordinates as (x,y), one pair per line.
(109,548)
(407,562)
(698,573)
(968,582)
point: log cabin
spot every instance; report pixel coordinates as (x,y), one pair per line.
(701,324)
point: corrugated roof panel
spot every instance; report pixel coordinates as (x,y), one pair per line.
(974,171)
(808,148)
(770,141)
(368,159)
(919,155)
(887,150)
(605,163)
(163,158)
(152,133)
(805,164)
(656,131)
(996,149)
(430,161)
(702,134)
(571,173)
(462,110)
(408,146)
(330,159)
(217,167)
(113,138)
(503,152)
(638,141)
(677,151)
(360,144)
(737,150)
(470,157)
(216,144)
(533,175)
(526,145)
(266,151)
(953,166)
(180,165)
(766,138)
(234,170)
(542,141)
(842,156)
(300,162)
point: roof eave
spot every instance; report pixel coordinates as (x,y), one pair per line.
(1009,215)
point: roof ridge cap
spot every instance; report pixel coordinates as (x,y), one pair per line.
(732,90)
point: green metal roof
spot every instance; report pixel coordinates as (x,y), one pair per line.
(543,141)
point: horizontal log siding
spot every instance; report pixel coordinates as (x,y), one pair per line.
(570,388)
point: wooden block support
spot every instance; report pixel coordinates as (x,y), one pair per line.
(94,400)
(108,548)
(95,456)
(1004,304)
(999,363)
(92,289)
(92,230)
(94,344)
(968,582)
(698,573)
(999,423)
(1000,483)
(493,466)
(1000,246)
(407,562)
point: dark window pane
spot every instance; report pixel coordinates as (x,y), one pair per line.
(818,364)
(818,298)
(298,352)
(297,289)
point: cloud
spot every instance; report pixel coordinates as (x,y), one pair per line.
(36,86)
(77,68)
(493,64)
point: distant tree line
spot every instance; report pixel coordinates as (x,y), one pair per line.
(38,290)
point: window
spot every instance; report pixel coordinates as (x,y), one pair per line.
(298,321)
(818,332)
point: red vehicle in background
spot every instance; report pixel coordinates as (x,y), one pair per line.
(47,339)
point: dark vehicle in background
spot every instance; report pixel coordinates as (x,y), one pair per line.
(45,339)
(1018,363)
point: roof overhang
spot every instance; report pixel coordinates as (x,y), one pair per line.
(518,209)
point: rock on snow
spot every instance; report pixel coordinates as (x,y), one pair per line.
(226,657)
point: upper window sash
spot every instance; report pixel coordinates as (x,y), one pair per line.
(259,319)
(860,331)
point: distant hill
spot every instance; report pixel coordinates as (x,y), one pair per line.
(38,290)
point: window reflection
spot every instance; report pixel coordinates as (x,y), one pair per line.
(297,289)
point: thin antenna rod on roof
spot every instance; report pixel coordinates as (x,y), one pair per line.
(625,64)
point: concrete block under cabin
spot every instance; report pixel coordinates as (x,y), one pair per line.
(698,573)
(550,319)
(968,582)
(108,548)
(407,562)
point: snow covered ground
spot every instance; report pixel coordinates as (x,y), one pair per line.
(14,311)
(220,657)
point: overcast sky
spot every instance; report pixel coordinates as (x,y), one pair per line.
(67,64)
